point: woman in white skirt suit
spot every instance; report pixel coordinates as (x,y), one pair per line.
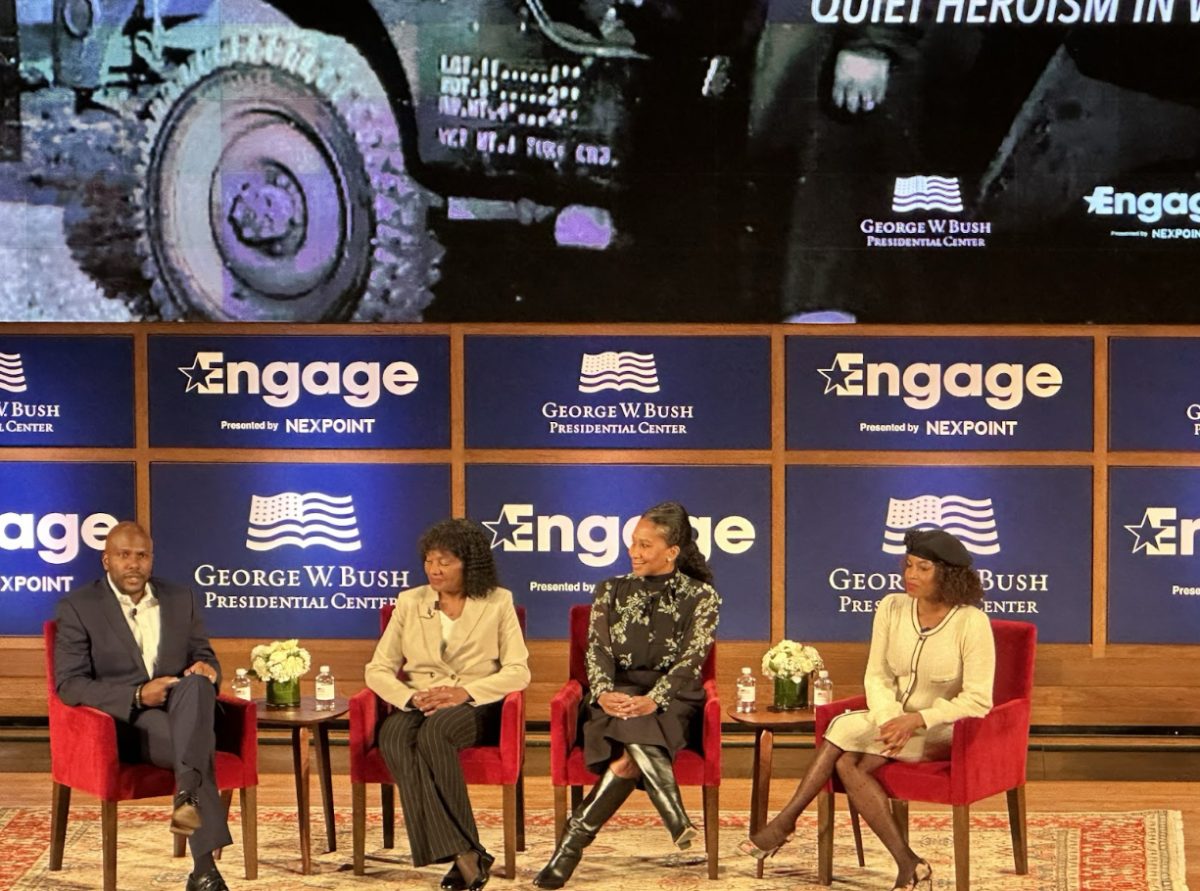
(932,661)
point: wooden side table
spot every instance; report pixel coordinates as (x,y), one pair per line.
(301,720)
(765,724)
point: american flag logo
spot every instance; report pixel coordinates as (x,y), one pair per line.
(302,519)
(971,521)
(927,193)
(618,371)
(12,373)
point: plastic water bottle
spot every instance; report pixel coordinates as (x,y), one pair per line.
(325,690)
(241,685)
(822,688)
(746,691)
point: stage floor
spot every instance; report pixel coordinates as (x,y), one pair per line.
(278,790)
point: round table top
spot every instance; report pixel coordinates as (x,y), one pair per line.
(768,717)
(304,714)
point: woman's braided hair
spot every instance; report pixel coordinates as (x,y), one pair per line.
(673,522)
(467,541)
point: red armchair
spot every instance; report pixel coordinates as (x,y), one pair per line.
(83,755)
(499,765)
(987,757)
(692,768)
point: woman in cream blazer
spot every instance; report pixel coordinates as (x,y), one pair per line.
(459,645)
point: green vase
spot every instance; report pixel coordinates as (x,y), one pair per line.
(283,694)
(791,695)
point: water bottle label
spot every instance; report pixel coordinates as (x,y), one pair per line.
(244,692)
(745,694)
(325,691)
(822,697)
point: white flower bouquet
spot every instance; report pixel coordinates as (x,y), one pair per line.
(280,661)
(790,660)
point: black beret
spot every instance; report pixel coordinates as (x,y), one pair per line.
(936,544)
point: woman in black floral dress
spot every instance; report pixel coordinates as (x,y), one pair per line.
(649,635)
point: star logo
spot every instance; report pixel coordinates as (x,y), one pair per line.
(836,376)
(505,531)
(1099,202)
(1148,534)
(197,374)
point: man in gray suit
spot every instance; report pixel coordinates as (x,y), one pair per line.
(135,647)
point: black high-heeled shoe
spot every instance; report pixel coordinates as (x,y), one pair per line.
(922,877)
(454,880)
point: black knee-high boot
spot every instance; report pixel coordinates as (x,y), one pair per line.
(593,812)
(659,778)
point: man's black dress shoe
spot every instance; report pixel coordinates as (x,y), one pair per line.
(185,815)
(209,881)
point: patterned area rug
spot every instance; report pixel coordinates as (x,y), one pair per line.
(1140,851)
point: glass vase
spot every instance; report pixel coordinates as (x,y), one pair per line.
(283,694)
(791,695)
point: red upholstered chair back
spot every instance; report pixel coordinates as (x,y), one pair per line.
(580,617)
(49,636)
(1016,643)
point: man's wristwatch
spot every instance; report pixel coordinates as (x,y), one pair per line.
(137,697)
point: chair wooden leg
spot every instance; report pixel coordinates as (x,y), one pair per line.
(358,809)
(1016,825)
(248,803)
(179,846)
(60,805)
(387,800)
(510,831)
(900,816)
(108,843)
(521,810)
(962,847)
(560,813)
(712,826)
(856,828)
(825,837)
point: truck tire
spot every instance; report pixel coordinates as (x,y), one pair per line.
(272,187)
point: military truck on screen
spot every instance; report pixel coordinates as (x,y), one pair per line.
(296,154)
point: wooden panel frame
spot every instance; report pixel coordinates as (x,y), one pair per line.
(1095,684)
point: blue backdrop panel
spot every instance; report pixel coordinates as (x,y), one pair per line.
(1154,397)
(1028,527)
(618,392)
(300,392)
(1153,561)
(952,393)
(66,391)
(294,550)
(557,530)
(54,518)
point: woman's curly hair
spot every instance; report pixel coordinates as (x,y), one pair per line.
(958,585)
(467,541)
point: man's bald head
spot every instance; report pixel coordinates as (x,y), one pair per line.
(128,558)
